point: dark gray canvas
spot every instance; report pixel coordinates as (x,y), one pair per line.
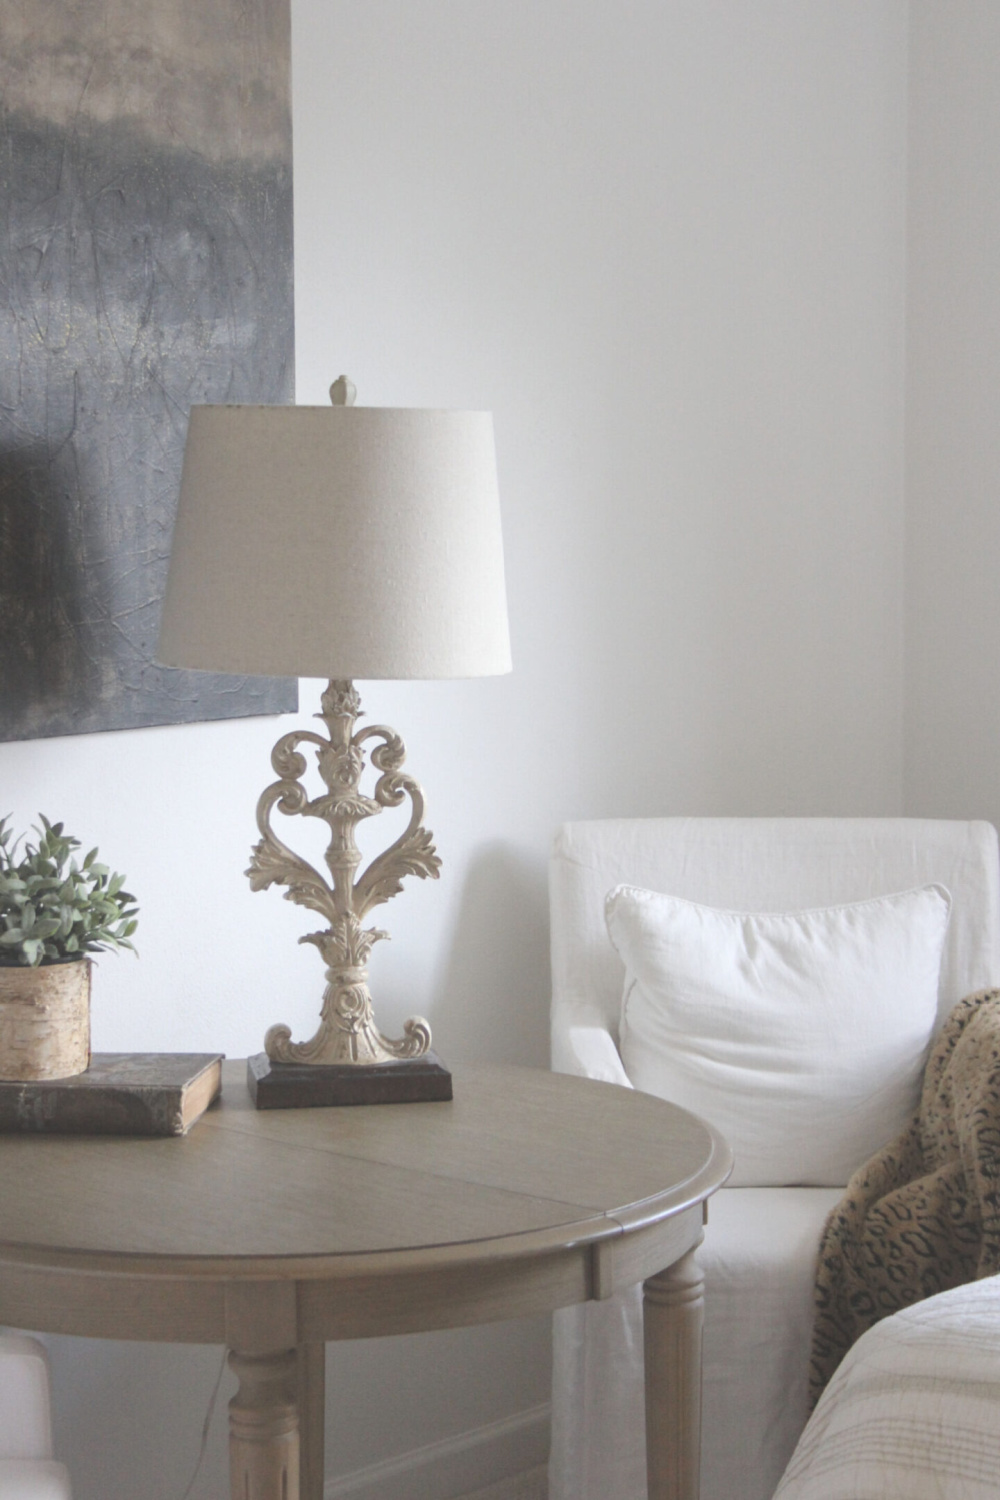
(145,265)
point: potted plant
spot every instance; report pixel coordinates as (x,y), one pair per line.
(54,911)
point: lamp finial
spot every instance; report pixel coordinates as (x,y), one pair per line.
(343,391)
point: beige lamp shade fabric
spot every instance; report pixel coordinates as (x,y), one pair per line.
(337,542)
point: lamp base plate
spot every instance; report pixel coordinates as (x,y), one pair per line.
(411,1080)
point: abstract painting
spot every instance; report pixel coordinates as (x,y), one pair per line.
(145,266)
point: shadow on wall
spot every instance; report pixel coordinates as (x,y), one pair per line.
(493,997)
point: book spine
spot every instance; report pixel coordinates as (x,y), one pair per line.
(36,1110)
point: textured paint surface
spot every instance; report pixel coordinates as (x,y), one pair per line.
(145,265)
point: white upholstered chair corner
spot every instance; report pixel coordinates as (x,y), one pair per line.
(28,1470)
(761,1243)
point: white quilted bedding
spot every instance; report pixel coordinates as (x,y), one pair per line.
(913,1413)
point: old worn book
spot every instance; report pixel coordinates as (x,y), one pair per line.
(121,1093)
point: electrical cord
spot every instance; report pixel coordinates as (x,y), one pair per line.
(206,1425)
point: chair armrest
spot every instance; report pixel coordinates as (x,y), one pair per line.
(33,1479)
(25,1410)
(583,1045)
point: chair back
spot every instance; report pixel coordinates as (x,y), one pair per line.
(766,864)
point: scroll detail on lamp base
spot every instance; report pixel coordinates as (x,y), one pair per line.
(348,1060)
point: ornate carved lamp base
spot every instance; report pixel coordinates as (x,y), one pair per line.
(348,1060)
(275,1085)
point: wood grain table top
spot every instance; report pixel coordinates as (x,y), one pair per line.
(519,1161)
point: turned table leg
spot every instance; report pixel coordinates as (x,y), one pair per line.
(312,1413)
(673,1307)
(264,1427)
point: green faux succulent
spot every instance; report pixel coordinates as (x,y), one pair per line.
(53,909)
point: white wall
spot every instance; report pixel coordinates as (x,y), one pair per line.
(952,735)
(664,242)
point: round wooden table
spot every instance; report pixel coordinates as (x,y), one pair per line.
(273,1231)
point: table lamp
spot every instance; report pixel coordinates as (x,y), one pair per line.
(339,542)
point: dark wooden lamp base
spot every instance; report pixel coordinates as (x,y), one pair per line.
(411,1080)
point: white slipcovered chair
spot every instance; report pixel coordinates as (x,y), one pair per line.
(28,1470)
(761,1242)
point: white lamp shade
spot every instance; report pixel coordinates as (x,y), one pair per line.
(340,541)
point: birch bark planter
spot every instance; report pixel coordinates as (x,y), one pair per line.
(44,1021)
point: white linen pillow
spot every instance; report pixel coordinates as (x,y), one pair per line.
(800,1035)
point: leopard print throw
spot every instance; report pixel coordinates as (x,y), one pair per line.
(924,1214)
